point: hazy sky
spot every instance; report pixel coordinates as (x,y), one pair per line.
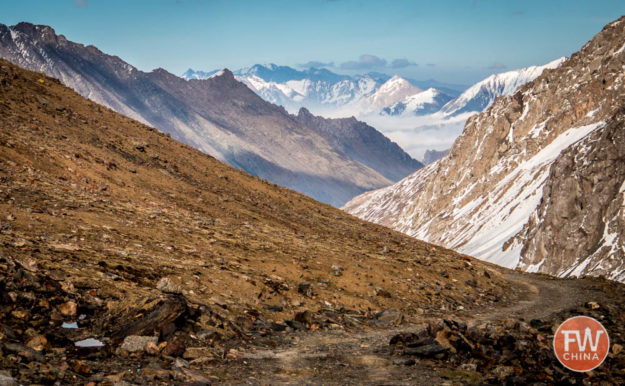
(455,41)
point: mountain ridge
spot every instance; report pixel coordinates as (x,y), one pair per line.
(242,129)
(325,92)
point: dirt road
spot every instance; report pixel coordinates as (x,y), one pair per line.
(357,357)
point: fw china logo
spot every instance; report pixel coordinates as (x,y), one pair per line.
(581,343)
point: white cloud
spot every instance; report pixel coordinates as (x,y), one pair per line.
(365,62)
(402,63)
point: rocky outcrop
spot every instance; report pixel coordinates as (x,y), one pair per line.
(508,351)
(579,226)
(527,170)
(434,155)
(219,116)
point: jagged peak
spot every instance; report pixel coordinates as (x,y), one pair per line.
(304,112)
(227,73)
(160,70)
(25,26)
(38,31)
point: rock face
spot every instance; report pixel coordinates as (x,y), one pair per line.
(579,226)
(219,116)
(536,181)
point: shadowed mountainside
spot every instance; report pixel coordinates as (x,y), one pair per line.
(219,116)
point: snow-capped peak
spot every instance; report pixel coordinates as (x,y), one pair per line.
(392,91)
(423,102)
(482,94)
(397,84)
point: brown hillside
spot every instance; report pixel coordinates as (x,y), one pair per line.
(97,208)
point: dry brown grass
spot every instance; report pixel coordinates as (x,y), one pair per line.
(110,201)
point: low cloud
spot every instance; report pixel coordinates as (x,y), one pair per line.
(402,63)
(81,3)
(316,64)
(365,62)
(497,66)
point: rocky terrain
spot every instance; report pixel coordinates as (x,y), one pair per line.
(127,257)
(118,230)
(220,116)
(536,181)
(509,344)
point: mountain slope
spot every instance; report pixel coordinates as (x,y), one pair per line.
(482,94)
(522,175)
(362,143)
(117,228)
(219,115)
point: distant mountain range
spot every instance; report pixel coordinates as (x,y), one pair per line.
(222,117)
(425,102)
(420,115)
(324,92)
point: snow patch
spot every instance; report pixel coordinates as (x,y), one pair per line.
(504,211)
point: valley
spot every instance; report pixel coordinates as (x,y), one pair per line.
(111,229)
(289,224)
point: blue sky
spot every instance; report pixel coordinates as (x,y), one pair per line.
(454,41)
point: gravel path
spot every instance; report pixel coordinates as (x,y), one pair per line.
(357,357)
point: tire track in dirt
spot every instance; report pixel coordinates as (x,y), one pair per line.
(356,357)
